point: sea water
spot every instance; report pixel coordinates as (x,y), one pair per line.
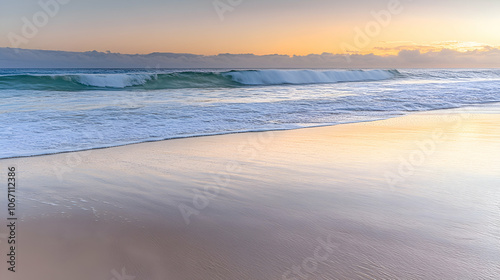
(45,111)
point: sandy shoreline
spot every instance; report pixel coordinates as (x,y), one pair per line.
(415,197)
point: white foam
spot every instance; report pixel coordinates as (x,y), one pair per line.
(57,121)
(112,80)
(276,77)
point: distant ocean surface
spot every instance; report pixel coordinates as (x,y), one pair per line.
(50,111)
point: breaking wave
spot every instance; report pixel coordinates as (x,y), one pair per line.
(188,79)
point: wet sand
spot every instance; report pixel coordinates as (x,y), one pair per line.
(416,197)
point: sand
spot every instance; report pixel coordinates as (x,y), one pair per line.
(415,197)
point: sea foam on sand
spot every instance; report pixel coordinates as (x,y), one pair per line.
(415,197)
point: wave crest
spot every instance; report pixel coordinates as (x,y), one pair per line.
(112,80)
(278,77)
(188,79)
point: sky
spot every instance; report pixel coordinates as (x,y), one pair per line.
(261,27)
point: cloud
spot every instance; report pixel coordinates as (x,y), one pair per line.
(388,47)
(485,57)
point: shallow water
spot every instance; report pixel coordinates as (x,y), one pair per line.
(51,111)
(312,203)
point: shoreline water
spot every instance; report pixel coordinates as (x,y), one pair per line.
(492,105)
(192,136)
(47,117)
(258,205)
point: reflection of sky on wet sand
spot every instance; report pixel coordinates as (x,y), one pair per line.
(284,191)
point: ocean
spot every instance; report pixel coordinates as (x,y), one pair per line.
(45,111)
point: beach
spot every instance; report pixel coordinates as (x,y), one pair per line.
(413,197)
(250,140)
